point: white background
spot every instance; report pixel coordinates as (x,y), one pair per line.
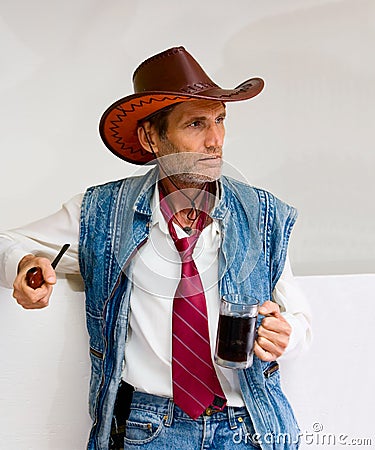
(308,138)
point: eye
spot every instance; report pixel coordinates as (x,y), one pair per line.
(220,119)
(195,124)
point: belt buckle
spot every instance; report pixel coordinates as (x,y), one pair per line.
(210,410)
(217,405)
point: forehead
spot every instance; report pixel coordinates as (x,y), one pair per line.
(197,108)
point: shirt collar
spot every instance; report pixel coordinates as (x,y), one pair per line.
(157,215)
(158,218)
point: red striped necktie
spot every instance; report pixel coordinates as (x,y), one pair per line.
(195,382)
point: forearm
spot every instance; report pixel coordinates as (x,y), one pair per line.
(296,311)
(42,238)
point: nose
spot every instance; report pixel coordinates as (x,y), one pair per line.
(214,137)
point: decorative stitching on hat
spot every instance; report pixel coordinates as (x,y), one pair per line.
(243,88)
(124,112)
(197,87)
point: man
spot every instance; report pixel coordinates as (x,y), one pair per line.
(130,238)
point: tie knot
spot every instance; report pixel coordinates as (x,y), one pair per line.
(185,246)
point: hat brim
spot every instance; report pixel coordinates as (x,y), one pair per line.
(119,123)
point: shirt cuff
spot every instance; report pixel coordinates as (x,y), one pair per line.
(300,337)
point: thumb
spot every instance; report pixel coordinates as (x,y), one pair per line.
(269,308)
(49,275)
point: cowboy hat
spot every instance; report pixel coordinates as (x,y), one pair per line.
(169,77)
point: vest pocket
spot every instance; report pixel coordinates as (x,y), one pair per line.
(96,358)
(271,369)
(96,353)
(272,376)
(95,329)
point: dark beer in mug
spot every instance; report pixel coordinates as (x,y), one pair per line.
(236,331)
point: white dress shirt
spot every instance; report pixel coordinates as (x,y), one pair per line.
(150,337)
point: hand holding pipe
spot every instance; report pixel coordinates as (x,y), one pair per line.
(34,276)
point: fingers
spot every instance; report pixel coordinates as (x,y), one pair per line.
(273,333)
(263,354)
(38,299)
(28,297)
(271,347)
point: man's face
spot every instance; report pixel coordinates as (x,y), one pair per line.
(192,148)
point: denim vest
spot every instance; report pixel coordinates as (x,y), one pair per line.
(115,221)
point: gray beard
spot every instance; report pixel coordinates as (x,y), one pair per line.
(181,166)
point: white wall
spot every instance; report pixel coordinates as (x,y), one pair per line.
(45,367)
(308,137)
(331,386)
(44,373)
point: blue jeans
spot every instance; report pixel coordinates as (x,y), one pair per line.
(157,423)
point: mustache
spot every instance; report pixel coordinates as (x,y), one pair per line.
(176,159)
(214,150)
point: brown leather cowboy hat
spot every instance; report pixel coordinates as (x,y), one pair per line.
(169,77)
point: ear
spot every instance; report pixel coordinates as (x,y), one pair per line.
(146,137)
